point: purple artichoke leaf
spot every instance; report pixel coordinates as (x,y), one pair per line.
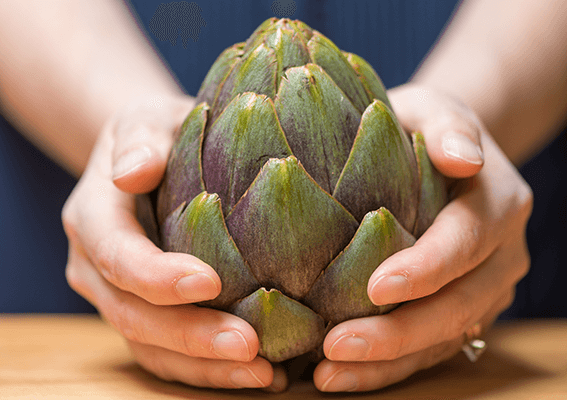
(285,327)
(290,50)
(254,72)
(287,228)
(369,78)
(199,229)
(340,293)
(183,178)
(218,73)
(326,54)
(433,195)
(147,217)
(238,144)
(382,163)
(320,123)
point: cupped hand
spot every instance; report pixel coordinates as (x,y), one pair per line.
(462,271)
(140,290)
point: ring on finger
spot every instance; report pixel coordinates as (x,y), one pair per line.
(473,346)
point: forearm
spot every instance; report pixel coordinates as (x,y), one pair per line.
(66,66)
(507,60)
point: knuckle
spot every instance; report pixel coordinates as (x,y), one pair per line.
(106,258)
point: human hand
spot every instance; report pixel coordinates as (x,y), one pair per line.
(461,272)
(140,290)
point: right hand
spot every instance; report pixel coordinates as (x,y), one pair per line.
(140,290)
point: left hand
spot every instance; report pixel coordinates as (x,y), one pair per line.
(462,271)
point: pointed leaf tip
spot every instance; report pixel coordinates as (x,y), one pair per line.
(339,294)
(288,228)
(198,229)
(285,327)
(382,162)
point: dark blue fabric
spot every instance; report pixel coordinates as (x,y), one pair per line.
(393,35)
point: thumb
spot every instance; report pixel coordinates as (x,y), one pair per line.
(451,130)
(143,135)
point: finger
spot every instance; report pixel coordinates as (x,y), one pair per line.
(190,330)
(172,366)
(438,318)
(452,132)
(461,236)
(119,248)
(143,136)
(331,376)
(280,382)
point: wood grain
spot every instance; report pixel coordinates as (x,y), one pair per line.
(77,356)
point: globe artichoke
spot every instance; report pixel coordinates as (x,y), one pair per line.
(293,179)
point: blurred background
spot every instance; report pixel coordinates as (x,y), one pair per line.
(393,35)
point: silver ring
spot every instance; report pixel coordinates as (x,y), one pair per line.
(473,346)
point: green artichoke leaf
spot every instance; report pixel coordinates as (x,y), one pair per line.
(290,49)
(326,54)
(183,178)
(433,195)
(238,144)
(381,170)
(257,37)
(287,228)
(254,72)
(369,78)
(285,327)
(199,229)
(340,293)
(303,28)
(320,123)
(218,73)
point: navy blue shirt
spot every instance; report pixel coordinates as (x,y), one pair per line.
(393,35)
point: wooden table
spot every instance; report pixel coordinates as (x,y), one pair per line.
(72,357)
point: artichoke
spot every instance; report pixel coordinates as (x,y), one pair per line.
(293,179)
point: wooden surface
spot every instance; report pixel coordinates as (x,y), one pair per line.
(72,357)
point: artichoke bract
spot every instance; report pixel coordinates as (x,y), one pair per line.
(293,179)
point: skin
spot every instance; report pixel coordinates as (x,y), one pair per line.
(468,267)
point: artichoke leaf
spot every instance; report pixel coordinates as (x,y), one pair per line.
(290,50)
(340,293)
(369,78)
(285,327)
(320,123)
(433,195)
(199,229)
(326,54)
(381,170)
(146,217)
(287,228)
(218,73)
(254,72)
(238,144)
(303,28)
(183,178)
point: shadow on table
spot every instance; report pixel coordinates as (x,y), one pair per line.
(454,379)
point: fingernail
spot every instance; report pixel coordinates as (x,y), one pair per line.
(197,287)
(244,377)
(341,381)
(349,348)
(130,161)
(231,345)
(390,289)
(459,146)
